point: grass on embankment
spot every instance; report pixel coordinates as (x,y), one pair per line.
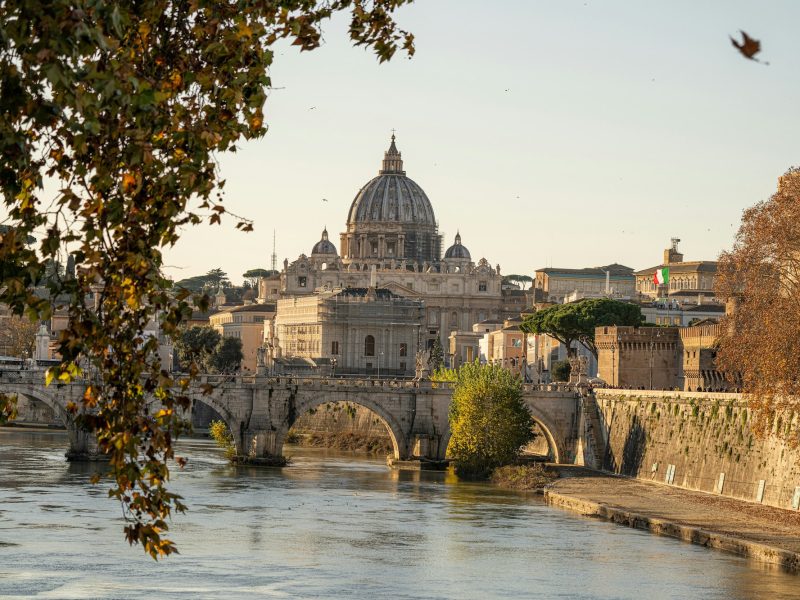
(528,477)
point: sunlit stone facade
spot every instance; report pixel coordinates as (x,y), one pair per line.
(391,241)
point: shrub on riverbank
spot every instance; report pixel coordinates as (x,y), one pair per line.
(220,433)
(530,477)
(488,420)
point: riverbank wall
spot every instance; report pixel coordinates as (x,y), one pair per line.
(698,441)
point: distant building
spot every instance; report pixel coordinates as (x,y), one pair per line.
(505,347)
(638,357)
(554,284)
(680,313)
(246,323)
(660,358)
(392,241)
(685,280)
(699,355)
(350,331)
(543,351)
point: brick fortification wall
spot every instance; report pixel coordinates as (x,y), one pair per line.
(704,439)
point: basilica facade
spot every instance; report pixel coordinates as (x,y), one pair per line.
(392,242)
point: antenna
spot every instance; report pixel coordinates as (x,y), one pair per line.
(274,255)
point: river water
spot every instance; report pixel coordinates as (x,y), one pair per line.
(334,525)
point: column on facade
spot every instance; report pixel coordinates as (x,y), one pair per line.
(381,246)
(362,246)
(401,246)
(391,361)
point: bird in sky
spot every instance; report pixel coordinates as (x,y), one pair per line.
(324,199)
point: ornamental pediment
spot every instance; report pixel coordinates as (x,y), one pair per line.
(401,290)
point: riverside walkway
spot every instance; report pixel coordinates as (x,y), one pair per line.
(749,529)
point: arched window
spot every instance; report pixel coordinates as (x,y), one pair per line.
(369,346)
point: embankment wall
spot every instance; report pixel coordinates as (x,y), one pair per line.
(699,441)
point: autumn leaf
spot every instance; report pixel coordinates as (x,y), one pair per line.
(748,47)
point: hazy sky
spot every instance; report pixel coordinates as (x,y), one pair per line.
(563,133)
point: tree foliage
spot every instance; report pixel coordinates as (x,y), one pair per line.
(253,275)
(522,280)
(437,356)
(210,282)
(17,336)
(577,321)
(761,276)
(560,370)
(196,346)
(489,421)
(124,107)
(228,356)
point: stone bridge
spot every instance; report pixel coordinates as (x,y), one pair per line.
(259,411)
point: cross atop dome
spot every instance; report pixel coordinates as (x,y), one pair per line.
(392,160)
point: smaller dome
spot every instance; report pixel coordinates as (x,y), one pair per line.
(324,246)
(457,250)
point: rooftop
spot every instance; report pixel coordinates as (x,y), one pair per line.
(615,270)
(704,266)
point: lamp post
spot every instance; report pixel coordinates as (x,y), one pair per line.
(333,367)
(380,357)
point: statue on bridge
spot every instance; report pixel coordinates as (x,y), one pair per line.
(579,371)
(423,370)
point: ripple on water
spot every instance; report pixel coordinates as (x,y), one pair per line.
(333,526)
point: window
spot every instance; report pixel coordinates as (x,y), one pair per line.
(516,343)
(403,349)
(482,286)
(274,291)
(301,281)
(374,249)
(335,347)
(390,248)
(369,346)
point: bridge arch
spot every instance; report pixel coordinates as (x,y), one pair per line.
(540,419)
(39,394)
(309,402)
(221,409)
(547,428)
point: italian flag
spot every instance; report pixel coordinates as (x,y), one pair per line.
(661,276)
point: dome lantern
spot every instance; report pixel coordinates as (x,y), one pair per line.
(392,161)
(457,250)
(324,246)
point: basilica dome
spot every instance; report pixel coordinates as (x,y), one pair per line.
(457,250)
(391,197)
(324,246)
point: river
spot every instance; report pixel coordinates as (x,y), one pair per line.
(334,525)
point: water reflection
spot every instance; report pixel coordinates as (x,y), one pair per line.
(332,526)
